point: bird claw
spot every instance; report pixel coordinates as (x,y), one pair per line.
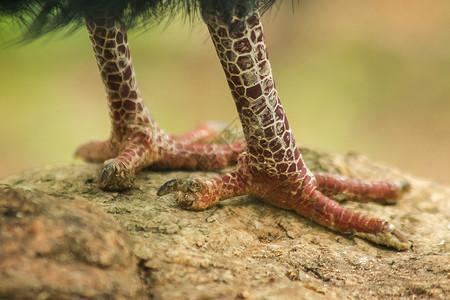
(190,193)
(399,235)
(405,186)
(114,178)
(107,171)
(180,185)
(391,237)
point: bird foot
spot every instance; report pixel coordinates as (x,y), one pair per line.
(299,191)
(148,146)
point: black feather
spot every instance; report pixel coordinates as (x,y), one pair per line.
(43,16)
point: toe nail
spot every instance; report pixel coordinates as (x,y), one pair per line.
(107,171)
(399,235)
(185,203)
(168,187)
(406,186)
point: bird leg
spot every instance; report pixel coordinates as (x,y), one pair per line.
(136,141)
(272,167)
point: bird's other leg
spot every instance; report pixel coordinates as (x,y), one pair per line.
(272,167)
(210,132)
(136,141)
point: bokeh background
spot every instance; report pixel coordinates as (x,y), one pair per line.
(368,76)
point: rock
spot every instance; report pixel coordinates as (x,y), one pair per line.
(62,247)
(246,249)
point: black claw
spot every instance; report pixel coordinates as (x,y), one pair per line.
(185,203)
(406,186)
(182,185)
(107,171)
(169,186)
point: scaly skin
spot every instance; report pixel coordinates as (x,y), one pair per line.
(272,168)
(136,140)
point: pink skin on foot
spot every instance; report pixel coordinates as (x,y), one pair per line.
(272,168)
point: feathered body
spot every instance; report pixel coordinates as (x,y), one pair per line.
(43,16)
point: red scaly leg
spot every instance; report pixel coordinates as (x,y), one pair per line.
(361,190)
(272,167)
(136,140)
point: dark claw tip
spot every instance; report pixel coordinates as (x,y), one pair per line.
(107,171)
(399,235)
(185,203)
(167,187)
(406,186)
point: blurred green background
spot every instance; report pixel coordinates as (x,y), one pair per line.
(369,76)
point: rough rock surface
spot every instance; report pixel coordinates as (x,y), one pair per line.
(62,247)
(241,249)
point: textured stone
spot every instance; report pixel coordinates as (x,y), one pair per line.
(62,247)
(246,249)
